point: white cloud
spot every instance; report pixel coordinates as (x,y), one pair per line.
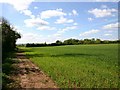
(61,31)
(90,19)
(104,6)
(35,7)
(17,29)
(28,13)
(74,12)
(30,38)
(32,35)
(57,34)
(39,23)
(35,22)
(52,13)
(63,20)
(89,32)
(19,5)
(70,21)
(75,24)
(46,28)
(112,26)
(102,12)
(107,34)
(59,9)
(69,14)
(71,28)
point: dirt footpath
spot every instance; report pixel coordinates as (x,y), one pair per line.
(29,75)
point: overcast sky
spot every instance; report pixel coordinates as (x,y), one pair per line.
(40,22)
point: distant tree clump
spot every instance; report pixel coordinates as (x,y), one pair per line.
(58,42)
(71,42)
(74,42)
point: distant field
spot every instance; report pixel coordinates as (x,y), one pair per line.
(83,66)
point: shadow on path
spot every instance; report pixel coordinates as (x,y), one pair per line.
(27,74)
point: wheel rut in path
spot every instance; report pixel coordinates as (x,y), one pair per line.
(29,75)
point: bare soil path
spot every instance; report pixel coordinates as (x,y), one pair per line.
(29,75)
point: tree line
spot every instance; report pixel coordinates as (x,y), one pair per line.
(73,42)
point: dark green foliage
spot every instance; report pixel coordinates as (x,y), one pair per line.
(59,42)
(73,42)
(98,41)
(36,45)
(9,37)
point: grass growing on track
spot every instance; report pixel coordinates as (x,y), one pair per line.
(83,66)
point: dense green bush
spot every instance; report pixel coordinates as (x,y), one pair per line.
(9,37)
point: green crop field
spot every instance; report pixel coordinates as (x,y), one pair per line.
(84,66)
